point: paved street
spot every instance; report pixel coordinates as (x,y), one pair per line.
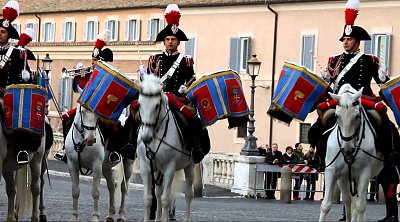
(220,205)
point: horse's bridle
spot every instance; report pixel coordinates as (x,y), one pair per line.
(156,94)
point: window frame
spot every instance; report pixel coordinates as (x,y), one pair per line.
(17,27)
(303,132)
(93,27)
(242,130)
(238,57)
(307,55)
(33,26)
(153,29)
(132,33)
(49,32)
(69,36)
(371,47)
(113,26)
(244,53)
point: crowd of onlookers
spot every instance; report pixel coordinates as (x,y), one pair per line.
(291,156)
(388,177)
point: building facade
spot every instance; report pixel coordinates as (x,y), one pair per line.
(222,34)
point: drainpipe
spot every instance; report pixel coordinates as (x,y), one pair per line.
(38,39)
(273,66)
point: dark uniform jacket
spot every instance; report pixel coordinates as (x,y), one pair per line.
(360,74)
(271,156)
(11,72)
(159,65)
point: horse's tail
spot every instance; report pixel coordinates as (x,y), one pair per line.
(118,177)
(24,197)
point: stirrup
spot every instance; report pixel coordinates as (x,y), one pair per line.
(22,157)
(115,161)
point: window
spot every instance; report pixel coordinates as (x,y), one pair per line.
(68,34)
(48,32)
(380,46)
(113,26)
(65,94)
(307,51)
(242,131)
(132,30)
(153,28)
(239,54)
(18,28)
(189,47)
(304,128)
(34,27)
(91,30)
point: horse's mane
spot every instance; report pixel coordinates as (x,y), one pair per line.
(151,83)
(346,93)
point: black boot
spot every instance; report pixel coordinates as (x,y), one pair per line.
(23,157)
(61,155)
(114,157)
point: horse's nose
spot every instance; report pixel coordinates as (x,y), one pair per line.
(146,138)
(91,141)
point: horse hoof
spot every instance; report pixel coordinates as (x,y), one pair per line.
(120,220)
(42,218)
(109,219)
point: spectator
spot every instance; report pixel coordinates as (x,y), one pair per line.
(298,152)
(389,180)
(289,157)
(312,160)
(272,157)
(262,150)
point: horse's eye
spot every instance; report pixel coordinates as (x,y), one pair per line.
(356,103)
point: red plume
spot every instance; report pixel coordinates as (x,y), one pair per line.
(100,44)
(172,14)
(11,10)
(351,11)
(24,39)
(173,18)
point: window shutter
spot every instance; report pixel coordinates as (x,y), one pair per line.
(307,53)
(388,52)
(53,32)
(127,30)
(248,52)
(68,93)
(44,32)
(116,30)
(234,54)
(35,27)
(73,32)
(149,29)
(85,31)
(189,47)
(368,46)
(138,29)
(161,25)
(61,93)
(106,25)
(96,29)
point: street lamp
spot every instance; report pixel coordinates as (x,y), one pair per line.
(47,63)
(250,145)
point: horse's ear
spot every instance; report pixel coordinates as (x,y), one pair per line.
(334,96)
(358,94)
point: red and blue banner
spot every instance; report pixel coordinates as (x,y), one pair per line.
(218,96)
(24,109)
(391,92)
(296,92)
(107,92)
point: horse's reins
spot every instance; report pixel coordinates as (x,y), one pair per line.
(80,145)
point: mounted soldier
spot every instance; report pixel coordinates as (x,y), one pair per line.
(100,53)
(357,69)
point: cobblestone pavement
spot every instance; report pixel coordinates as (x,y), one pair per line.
(220,205)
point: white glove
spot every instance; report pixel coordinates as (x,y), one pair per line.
(142,70)
(326,75)
(382,75)
(25,75)
(182,89)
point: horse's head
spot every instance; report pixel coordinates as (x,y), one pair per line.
(150,106)
(86,123)
(348,114)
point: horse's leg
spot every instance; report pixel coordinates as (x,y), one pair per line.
(42,208)
(128,170)
(11,191)
(160,210)
(327,201)
(361,198)
(107,173)
(344,188)
(166,193)
(74,173)
(189,177)
(97,169)
(147,197)
(35,186)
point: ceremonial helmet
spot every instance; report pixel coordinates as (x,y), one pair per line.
(172,16)
(25,38)
(99,52)
(350,30)
(10,13)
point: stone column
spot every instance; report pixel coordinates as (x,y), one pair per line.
(286,185)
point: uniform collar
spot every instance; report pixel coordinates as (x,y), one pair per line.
(4,48)
(171,54)
(352,53)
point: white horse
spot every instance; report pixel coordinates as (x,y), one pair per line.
(160,151)
(85,149)
(351,155)
(26,180)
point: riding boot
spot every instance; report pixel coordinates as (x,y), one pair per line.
(22,157)
(394,156)
(203,142)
